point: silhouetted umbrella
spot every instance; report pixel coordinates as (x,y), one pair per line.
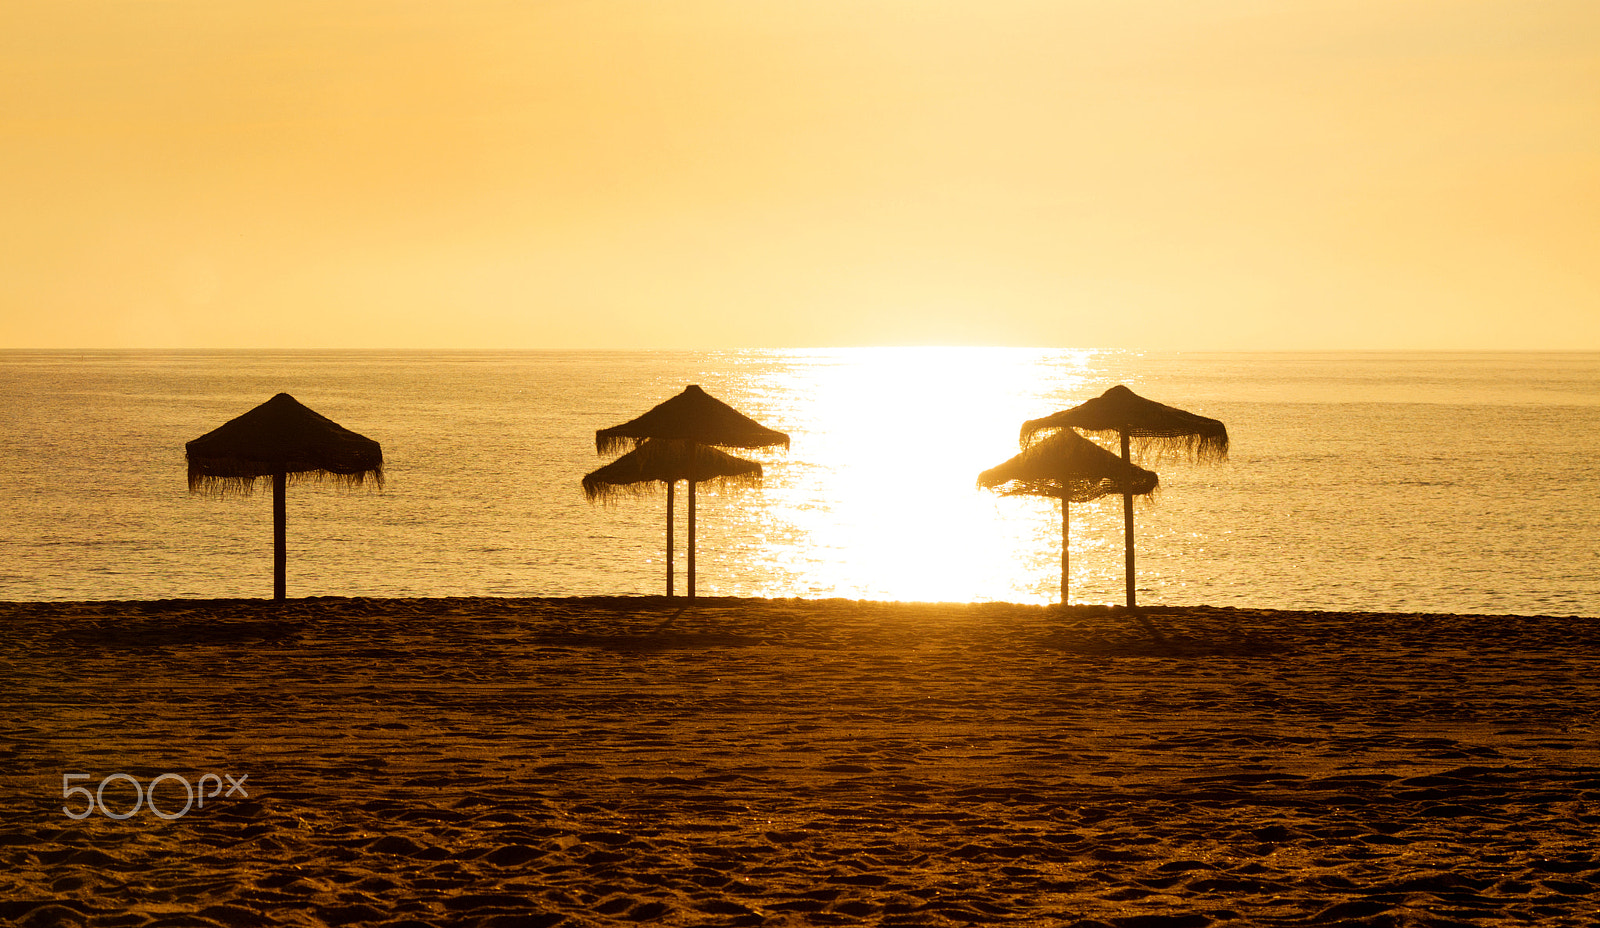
(1146,424)
(279,439)
(696,417)
(665,461)
(1070,468)
(693,415)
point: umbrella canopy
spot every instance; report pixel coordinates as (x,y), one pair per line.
(1073,469)
(693,415)
(697,419)
(280,436)
(1151,426)
(1065,465)
(279,439)
(660,460)
(1146,424)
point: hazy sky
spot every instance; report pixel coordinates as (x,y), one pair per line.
(1204,174)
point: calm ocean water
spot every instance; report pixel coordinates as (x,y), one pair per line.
(1416,482)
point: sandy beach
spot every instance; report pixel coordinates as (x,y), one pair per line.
(791,762)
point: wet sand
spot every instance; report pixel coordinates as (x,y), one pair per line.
(787,762)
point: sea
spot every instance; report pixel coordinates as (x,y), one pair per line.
(1414,482)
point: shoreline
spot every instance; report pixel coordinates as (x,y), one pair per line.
(604,760)
(658,601)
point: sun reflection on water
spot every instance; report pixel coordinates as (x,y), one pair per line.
(877,497)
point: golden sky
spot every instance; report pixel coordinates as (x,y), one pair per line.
(1161,174)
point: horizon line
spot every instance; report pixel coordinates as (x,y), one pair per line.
(779,348)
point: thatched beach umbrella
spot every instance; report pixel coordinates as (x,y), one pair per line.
(660,460)
(696,417)
(1073,469)
(280,439)
(1145,424)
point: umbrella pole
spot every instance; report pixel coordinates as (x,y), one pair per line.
(671,484)
(691,536)
(279,547)
(1066,534)
(694,447)
(1127,527)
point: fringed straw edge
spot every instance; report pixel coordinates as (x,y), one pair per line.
(245,485)
(608,494)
